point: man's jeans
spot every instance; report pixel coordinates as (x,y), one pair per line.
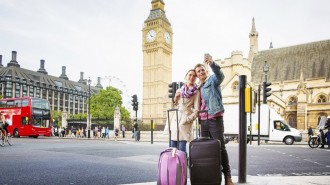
(213,128)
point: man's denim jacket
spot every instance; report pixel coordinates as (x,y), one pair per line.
(211,90)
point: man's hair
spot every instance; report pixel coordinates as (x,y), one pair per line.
(199,65)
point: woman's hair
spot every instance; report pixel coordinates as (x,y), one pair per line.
(189,71)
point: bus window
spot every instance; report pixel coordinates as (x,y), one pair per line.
(10,103)
(18,103)
(3,104)
(25,103)
(25,120)
(36,122)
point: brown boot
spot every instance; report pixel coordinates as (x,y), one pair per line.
(228,181)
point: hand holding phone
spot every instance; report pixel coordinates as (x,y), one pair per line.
(208,58)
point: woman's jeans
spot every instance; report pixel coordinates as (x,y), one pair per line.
(182,145)
(213,128)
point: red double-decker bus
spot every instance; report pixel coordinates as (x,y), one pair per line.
(26,116)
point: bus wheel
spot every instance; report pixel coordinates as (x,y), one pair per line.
(16,133)
(35,136)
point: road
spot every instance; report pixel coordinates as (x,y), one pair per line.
(82,161)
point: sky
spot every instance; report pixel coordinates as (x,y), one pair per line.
(103,38)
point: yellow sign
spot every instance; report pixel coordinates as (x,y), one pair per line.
(248,99)
(256,126)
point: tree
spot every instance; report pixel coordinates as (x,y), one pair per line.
(104,103)
(57,117)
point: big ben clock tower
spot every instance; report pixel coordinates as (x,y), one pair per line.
(157,64)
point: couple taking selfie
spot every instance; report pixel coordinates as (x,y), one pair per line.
(206,95)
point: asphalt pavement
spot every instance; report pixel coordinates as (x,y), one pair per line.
(259,180)
(272,180)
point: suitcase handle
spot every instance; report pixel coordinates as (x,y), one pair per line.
(169,125)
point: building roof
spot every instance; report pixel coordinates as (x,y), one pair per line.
(43,79)
(313,59)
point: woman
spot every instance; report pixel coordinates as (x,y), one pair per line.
(187,101)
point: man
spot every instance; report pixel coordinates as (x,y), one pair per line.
(325,135)
(211,100)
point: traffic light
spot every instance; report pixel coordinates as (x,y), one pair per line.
(135,103)
(266,92)
(172,89)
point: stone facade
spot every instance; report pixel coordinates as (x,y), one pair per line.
(300,77)
(157,64)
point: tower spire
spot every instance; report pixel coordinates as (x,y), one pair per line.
(253,41)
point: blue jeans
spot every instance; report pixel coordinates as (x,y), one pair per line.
(182,145)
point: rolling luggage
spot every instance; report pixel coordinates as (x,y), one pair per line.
(172,164)
(205,161)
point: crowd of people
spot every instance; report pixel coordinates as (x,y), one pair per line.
(98,132)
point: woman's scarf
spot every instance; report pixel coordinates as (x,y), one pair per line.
(188,92)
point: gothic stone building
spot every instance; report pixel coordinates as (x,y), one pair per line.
(300,77)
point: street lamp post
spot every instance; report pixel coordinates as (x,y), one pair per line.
(89,107)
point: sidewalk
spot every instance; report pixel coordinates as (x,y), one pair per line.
(271,180)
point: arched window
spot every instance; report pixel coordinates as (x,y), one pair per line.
(321,99)
(235,86)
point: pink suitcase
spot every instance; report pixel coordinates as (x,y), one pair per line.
(172,167)
(172,164)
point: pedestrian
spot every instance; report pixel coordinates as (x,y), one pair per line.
(211,100)
(116,133)
(63,132)
(310,131)
(97,135)
(107,132)
(186,100)
(136,129)
(123,129)
(103,132)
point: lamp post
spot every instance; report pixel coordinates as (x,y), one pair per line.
(89,107)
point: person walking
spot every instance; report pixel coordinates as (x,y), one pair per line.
(186,100)
(211,100)
(136,131)
(107,132)
(123,129)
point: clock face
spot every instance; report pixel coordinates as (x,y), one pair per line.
(167,37)
(151,35)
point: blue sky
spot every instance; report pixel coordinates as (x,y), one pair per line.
(103,38)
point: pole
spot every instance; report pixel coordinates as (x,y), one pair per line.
(152,131)
(242,131)
(89,108)
(259,115)
(251,105)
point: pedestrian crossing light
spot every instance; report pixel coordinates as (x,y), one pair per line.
(266,92)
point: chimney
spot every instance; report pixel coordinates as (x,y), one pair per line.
(1,61)
(42,67)
(99,85)
(81,80)
(13,61)
(63,75)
